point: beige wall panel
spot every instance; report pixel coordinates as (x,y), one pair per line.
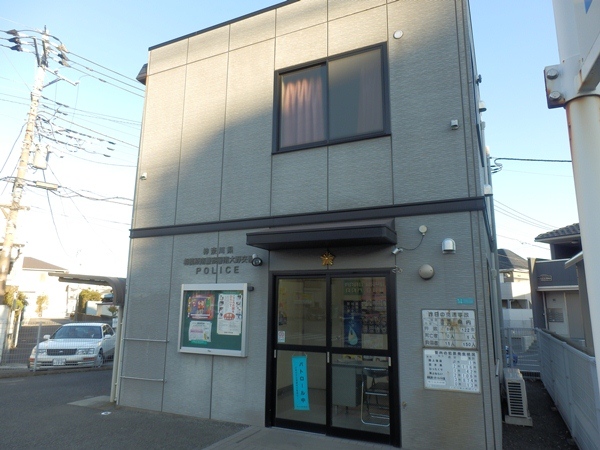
(147,303)
(301,46)
(189,246)
(362,257)
(454,278)
(297,259)
(360,174)
(148,288)
(168,57)
(358,30)
(235,398)
(252,30)
(160,151)
(141,394)
(144,359)
(300,15)
(199,193)
(184,393)
(426,91)
(299,182)
(341,8)
(249,126)
(210,43)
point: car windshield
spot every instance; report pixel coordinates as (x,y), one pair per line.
(78,332)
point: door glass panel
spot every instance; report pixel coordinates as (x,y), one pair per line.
(301,311)
(359,313)
(295,372)
(360,392)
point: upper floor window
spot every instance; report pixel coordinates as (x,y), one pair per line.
(340,99)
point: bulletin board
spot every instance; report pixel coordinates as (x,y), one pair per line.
(213,319)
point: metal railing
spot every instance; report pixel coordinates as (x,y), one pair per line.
(16,356)
(569,375)
(521,350)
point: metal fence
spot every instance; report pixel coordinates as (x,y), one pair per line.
(18,349)
(569,375)
(522,351)
(17,352)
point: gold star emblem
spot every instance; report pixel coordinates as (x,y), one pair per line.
(327,258)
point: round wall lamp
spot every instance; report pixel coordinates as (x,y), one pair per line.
(256,261)
(426,271)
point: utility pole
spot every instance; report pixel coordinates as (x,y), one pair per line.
(574,85)
(43,50)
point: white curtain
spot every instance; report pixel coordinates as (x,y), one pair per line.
(302,108)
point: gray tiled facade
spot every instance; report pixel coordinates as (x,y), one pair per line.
(207,150)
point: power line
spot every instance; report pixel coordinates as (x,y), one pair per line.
(497,167)
(112,84)
(105,68)
(522,242)
(545,225)
(89,69)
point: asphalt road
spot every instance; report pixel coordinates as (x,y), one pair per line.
(70,410)
(38,412)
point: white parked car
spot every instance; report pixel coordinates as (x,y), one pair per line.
(75,345)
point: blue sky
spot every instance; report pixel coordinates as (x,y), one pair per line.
(514,41)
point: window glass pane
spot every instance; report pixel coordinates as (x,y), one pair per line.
(355,95)
(360,390)
(301,311)
(307,406)
(303,100)
(359,313)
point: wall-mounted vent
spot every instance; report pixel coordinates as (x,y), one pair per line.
(516,396)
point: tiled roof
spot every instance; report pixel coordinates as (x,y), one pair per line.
(37,264)
(509,260)
(564,232)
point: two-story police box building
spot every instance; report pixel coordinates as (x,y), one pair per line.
(312,240)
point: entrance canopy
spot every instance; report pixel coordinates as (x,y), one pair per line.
(117,284)
(337,234)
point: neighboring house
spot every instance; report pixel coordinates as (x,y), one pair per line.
(558,289)
(31,277)
(515,290)
(312,215)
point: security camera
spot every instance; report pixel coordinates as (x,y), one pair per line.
(396,251)
(256,261)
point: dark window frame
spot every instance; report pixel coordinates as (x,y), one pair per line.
(385,92)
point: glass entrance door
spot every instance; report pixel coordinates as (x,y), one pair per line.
(332,360)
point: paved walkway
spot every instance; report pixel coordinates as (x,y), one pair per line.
(255,438)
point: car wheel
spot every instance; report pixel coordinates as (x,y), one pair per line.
(99,359)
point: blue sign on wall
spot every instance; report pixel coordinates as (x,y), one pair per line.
(300,382)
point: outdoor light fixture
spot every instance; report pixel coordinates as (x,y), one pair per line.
(426,271)
(448,246)
(256,261)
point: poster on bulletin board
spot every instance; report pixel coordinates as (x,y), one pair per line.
(213,319)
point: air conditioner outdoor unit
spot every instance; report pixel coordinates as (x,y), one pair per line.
(516,396)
